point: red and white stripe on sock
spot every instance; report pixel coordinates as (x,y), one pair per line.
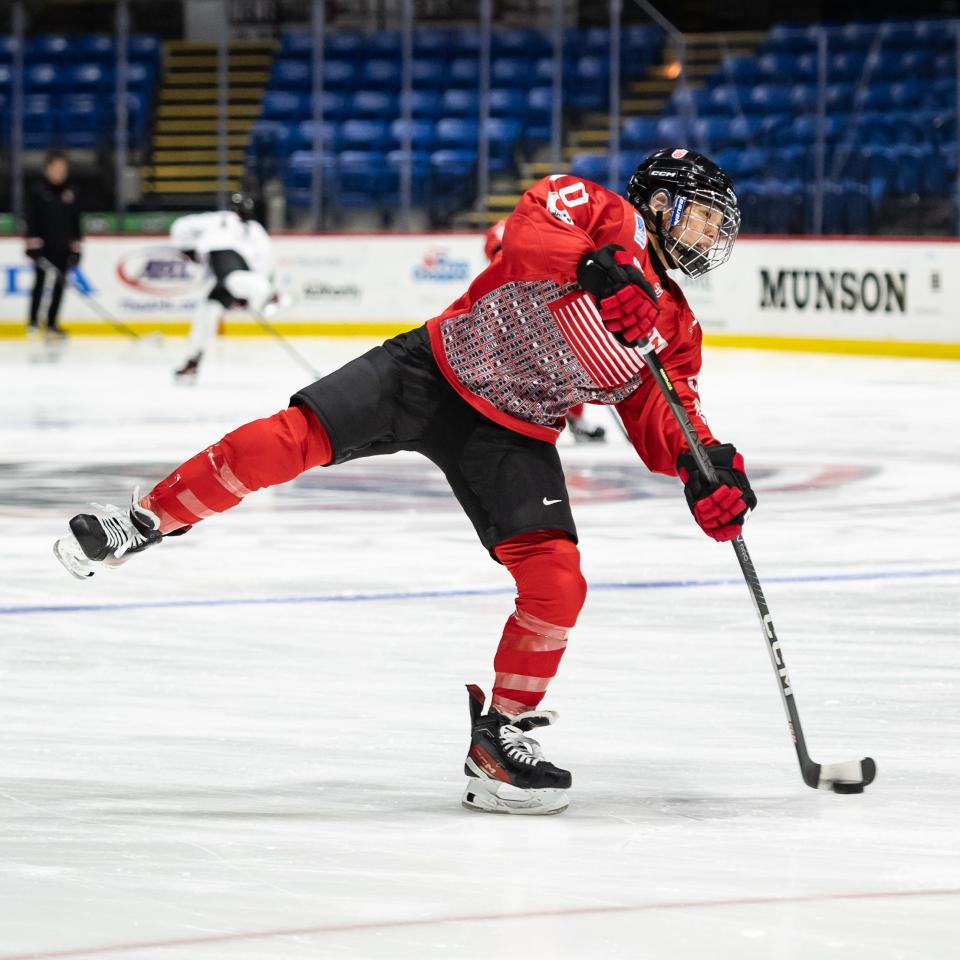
(258,454)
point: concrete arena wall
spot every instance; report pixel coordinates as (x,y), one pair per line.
(851,295)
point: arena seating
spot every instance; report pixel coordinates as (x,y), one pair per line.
(890,127)
(361,106)
(69,85)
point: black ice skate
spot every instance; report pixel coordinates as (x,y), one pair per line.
(507,772)
(582,434)
(108,538)
(188,372)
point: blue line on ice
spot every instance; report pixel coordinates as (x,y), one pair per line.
(484,592)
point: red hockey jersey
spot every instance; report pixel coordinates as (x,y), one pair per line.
(525,343)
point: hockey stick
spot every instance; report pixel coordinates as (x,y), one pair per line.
(282,340)
(850,776)
(98,308)
(619,423)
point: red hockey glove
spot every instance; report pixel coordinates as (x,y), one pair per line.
(627,301)
(719,509)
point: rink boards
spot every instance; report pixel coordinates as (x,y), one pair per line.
(848,295)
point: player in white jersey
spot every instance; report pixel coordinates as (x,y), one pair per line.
(237,253)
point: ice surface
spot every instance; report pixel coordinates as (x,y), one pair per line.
(247,743)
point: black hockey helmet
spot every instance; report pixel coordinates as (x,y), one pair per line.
(243,205)
(675,187)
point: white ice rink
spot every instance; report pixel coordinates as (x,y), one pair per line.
(248,742)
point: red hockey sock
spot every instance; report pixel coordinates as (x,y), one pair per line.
(258,454)
(550,595)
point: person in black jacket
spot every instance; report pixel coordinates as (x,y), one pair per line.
(53,236)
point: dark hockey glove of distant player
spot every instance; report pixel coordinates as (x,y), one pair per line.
(720,509)
(627,301)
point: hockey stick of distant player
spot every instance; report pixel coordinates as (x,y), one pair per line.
(619,423)
(98,308)
(850,776)
(285,343)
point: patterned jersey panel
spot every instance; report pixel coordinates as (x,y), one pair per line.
(533,349)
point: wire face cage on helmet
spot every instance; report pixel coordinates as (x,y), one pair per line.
(693,205)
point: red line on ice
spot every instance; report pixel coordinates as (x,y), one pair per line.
(466,918)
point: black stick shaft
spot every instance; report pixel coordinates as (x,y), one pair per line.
(808,768)
(98,308)
(287,346)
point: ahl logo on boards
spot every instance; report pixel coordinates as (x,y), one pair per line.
(159,271)
(438,266)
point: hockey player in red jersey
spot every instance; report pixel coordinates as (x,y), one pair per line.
(483,390)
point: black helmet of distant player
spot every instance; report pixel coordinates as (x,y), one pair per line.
(243,205)
(690,204)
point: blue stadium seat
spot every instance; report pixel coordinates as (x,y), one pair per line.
(673,131)
(425,103)
(375,104)
(890,96)
(803,97)
(8,48)
(381,74)
(539,114)
(360,177)
(767,98)
(508,102)
(457,134)
(463,72)
(344,46)
(740,69)
(431,44)
(419,178)
(88,77)
(298,174)
(289,74)
(41,77)
(590,166)
(590,88)
(688,100)
(340,74)
(429,74)
(453,178)
(95,48)
(6,79)
(639,132)
(283,105)
(423,134)
(309,131)
(728,98)
(846,67)
(503,135)
(336,105)
(365,135)
(385,45)
(296,44)
(47,46)
(465,42)
(773,68)
(524,43)
(790,38)
(82,120)
(140,76)
(712,133)
(38,121)
(510,72)
(143,47)
(461,103)
(840,97)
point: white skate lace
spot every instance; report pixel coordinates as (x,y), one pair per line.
(520,748)
(122,534)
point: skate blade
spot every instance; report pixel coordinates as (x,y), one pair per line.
(492,796)
(74,560)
